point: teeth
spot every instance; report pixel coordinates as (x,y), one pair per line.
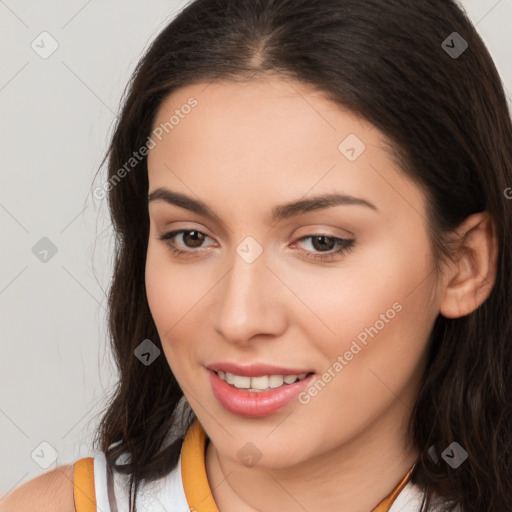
(260,383)
(242,382)
(275,381)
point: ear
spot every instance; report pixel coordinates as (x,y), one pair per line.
(472,274)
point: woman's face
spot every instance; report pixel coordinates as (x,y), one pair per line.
(251,288)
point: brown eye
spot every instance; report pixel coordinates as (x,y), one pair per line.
(325,247)
(196,238)
(321,243)
(190,239)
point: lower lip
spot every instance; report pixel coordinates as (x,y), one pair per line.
(255,404)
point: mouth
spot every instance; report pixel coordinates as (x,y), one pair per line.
(257,396)
(261,383)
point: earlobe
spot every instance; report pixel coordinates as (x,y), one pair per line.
(473,273)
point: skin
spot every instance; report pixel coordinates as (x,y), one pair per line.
(243,149)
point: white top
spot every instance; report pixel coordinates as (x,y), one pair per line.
(158,496)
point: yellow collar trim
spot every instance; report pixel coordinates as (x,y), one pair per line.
(193,470)
(195,482)
(386,503)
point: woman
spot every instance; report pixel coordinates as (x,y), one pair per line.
(311,299)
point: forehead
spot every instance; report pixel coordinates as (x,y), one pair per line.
(270,136)
(255,112)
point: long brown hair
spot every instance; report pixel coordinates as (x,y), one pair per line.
(447,116)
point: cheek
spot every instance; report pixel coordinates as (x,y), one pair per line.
(176,294)
(160,290)
(365,288)
(380,311)
(375,313)
(172,289)
(167,292)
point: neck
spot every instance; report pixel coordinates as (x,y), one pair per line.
(356,475)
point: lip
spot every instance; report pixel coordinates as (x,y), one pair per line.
(255,404)
(255,369)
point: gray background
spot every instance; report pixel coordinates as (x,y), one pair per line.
(57,115)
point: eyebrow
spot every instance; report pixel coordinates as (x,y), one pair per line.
(279,212)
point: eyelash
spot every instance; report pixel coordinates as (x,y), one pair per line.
(344,245)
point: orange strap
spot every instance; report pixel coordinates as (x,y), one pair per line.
(193,470)
(83,485)
(386,503)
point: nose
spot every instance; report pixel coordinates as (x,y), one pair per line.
(249,302)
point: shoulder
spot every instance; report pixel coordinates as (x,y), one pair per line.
(52,490)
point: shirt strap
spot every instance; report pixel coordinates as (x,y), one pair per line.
(83,485)
(386,503)
(193,470)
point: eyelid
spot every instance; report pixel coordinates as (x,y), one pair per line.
(325,230)
(183,226)
(161,216)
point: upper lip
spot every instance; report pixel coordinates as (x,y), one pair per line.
(255,369)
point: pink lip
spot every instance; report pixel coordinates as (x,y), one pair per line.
(255,370)
(256,404)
